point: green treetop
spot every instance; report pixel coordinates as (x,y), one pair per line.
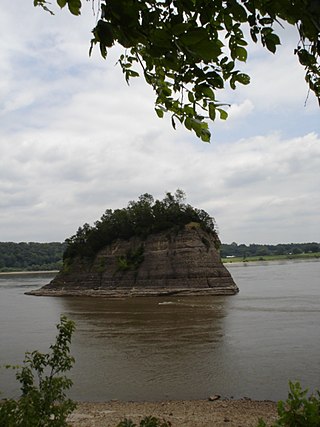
(188,49)
(139,218)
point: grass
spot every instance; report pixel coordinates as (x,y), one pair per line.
(272,257)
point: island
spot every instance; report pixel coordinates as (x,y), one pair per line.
(150,248)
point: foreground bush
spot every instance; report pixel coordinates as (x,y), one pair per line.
(145,422)
(43,401)
(299,410)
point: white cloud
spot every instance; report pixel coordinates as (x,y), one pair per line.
(240,111)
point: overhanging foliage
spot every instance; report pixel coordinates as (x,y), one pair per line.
(189,49)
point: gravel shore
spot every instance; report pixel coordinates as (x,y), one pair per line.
(198,413)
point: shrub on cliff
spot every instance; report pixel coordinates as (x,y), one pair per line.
(139,218)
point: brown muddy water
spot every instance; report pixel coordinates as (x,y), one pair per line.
(139,349)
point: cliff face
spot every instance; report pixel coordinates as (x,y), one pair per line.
(184,262)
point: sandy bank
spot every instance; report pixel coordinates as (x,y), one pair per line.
(199,413)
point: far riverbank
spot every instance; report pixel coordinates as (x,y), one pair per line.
(229,260)
(29,272)
(307,256)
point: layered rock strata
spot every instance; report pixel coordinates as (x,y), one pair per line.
(186,262)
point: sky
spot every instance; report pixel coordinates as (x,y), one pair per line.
(76,140)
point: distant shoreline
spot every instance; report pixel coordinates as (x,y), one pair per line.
(231,260)
(8,273)
(293,257)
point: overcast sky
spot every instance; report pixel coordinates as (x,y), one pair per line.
(76,140)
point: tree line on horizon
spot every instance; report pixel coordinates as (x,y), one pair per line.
(260,250)
(33,256)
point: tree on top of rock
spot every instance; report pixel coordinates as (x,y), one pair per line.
(140,218)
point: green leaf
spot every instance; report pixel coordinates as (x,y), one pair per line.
(161,39)
(42,3)
(207,91)
(223,114)
(212,111)
(188,123)
(133,73)
(190,96)
(253,33)
(215,80)
(189,110)
(173,123)
(74,6)
(196,125)
(241,54)
(205,135)
(243,78)
(103,50)
(194,36)
(227,21)
(238,12)
(179,29)
(62,3)
(305,58)
(271,40)
(159,112)
(104,31)
(209,50)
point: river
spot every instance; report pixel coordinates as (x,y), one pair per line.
(249,344)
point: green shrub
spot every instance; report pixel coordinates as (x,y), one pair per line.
(206,243)
(132,260)
(43,400)
(145,422)
(299,410)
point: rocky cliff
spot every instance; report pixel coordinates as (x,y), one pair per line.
(184,262)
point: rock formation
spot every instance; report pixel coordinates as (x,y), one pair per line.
(184,262)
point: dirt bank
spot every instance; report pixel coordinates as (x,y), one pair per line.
(199,413)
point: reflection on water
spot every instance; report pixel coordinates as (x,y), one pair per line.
(164,342)
(178,348)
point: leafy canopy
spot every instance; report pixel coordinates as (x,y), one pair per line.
(139,218)
(187,50)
